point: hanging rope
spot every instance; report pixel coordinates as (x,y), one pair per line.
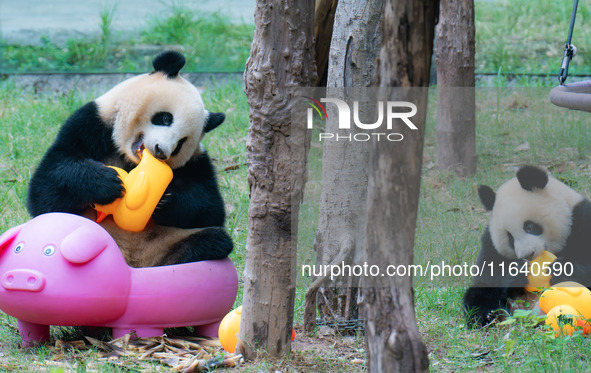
(569,50)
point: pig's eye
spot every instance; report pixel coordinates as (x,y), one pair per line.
(19,248)
(49,250)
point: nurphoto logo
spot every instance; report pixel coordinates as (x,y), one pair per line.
(388,110)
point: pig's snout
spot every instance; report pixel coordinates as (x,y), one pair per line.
(23,279)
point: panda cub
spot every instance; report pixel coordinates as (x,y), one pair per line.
(529,214)
(161,112)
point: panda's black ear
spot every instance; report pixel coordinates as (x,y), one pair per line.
(169,62)
(487,196)
(213,120)
(531,177)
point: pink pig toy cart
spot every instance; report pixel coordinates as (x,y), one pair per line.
(63,269)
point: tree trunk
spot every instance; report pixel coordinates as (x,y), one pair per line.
(456,105)
(393,340)
(323,25)
(281,59)
(354,50)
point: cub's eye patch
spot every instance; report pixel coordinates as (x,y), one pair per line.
(179,146)
(532,228)
(162,118)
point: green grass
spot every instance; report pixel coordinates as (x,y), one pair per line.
(216,44)
(210,42)
(24,117)
(513,348)
(528,36)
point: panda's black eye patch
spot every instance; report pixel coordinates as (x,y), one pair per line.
(532,228)
(179,146)
(162,118)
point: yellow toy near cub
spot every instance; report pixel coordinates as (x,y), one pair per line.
(144,186)
(568,307)
(539,266)
(566,304)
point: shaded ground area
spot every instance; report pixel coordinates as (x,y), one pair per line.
(318,353)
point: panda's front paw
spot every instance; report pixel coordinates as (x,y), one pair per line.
(480,318)
(108,187)
(482,306)
(477,318)
(162,206)
(165,200)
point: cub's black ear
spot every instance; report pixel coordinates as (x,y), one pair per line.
(213,120)
(487,196)
(531,177)
(169,62)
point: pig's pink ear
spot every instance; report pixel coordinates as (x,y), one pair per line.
(83,245)
(7,237)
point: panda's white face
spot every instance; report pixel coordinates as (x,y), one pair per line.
(526,222)
(155,112)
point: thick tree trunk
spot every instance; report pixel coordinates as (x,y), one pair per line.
(281,59)
(323,25)
(356,41)
(456,119)
(393,340)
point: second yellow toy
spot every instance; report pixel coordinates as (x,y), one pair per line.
(568,306)
(230,328)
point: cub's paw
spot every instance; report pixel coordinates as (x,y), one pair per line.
(165,200)
(478,318)
(107,187)
(205,244)
(482,306)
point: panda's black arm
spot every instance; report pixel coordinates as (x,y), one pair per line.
(71,175)
(577,249)
(192,199)
(490,291)
(482,304)
(63,183)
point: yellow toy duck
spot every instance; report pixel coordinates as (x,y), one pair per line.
(566,304)
(144,186)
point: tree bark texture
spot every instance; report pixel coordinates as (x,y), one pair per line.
(323,25)
(392,336)
(456,105)
(354,50)
(281,59)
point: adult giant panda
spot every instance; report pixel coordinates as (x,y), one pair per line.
(161,112)
(529,214)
